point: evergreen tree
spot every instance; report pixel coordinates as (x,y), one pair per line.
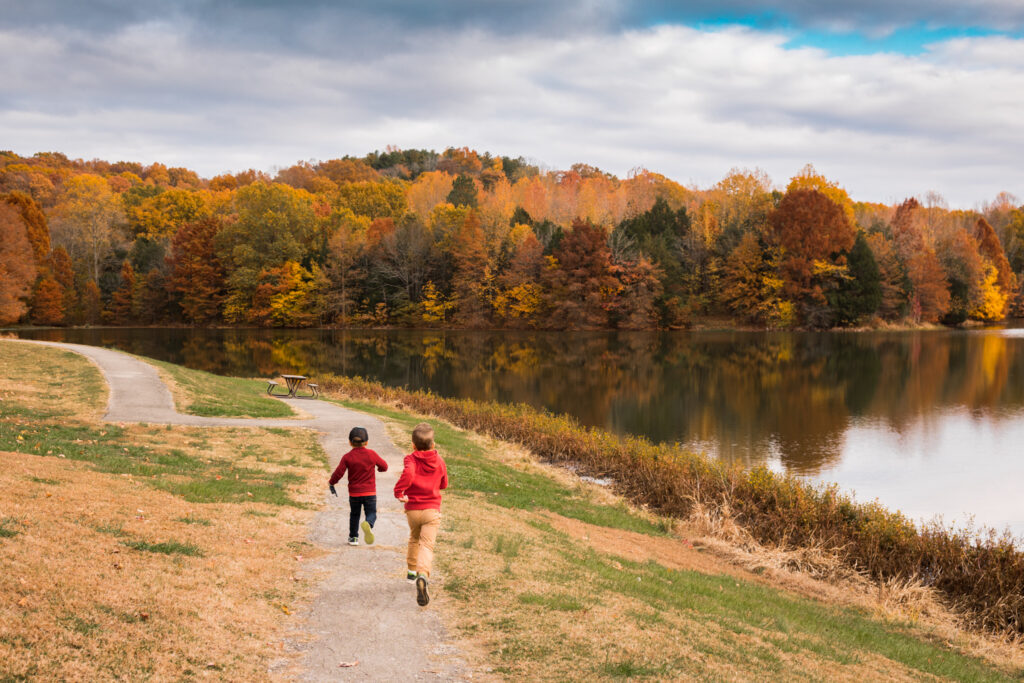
(859,296)
(463,192)
(520,217)
(659,235)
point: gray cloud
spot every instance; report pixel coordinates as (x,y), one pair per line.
(690,104)
(319,25)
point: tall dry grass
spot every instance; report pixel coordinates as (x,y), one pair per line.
(981,575)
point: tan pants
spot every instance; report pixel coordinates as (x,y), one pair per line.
(423,528)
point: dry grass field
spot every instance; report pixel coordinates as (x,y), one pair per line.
(169,553)
(136,551)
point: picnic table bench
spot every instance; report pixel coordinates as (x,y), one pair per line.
(293,385)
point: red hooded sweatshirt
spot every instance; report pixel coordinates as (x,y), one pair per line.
(362,481)
(424,474)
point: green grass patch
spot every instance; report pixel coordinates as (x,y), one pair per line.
(628,668)
(194,520)
(470,470)
(509,546)
(111,530)
(43,480)
(833,634)
(7,527)
(216,396)
(557,601)
(120,615)
(166,548)
(224,483)
(78,625)
(109,449)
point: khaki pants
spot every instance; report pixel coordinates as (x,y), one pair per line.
(423,528)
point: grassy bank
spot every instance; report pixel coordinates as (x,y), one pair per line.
(203,393)
(981,578)
(547,578)
(141,552)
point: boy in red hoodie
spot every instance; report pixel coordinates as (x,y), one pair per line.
(424,475)
(362,484)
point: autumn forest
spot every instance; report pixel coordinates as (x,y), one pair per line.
(418,238)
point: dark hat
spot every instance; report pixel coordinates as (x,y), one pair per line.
(358,435)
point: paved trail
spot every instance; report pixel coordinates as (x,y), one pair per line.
(364,608)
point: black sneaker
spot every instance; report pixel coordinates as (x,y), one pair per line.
(411,575)
(422,596)
(367,532)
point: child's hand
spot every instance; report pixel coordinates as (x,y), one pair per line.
(403,499)
(333,490)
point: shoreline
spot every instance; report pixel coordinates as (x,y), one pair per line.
(704,325)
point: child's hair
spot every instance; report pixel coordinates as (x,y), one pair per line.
(423,436)
(358,436)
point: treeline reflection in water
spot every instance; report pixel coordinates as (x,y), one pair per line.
(741,394)
(798,401)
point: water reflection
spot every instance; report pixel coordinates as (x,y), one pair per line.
(819,404)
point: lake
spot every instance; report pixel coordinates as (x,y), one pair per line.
(929,422)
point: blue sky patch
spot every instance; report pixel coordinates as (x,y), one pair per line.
(907,41)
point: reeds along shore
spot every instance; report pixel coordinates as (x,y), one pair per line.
(980,575)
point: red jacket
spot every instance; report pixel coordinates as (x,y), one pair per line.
(361,479)
(424,474)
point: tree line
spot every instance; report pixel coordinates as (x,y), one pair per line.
(458,238)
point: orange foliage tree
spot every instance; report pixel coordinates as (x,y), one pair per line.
(48,302)
(929,289)
(197,273)
(580,282)
(17,264)
(965,274)
(634,306)
(122,301)
(814,232)
(37,229)
(473,277)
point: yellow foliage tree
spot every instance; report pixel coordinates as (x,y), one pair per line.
(434,304)
(88,219)
(429,190)
(161,216)
(993,299)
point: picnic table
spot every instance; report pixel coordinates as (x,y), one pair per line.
(294,384)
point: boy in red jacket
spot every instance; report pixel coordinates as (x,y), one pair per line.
(424,474)
(362,484)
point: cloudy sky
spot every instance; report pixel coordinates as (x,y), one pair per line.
(890,99)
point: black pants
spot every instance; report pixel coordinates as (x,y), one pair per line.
(356,504)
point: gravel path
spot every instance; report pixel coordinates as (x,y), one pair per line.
(364,609)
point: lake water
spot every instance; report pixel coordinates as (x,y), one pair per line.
(927,422)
